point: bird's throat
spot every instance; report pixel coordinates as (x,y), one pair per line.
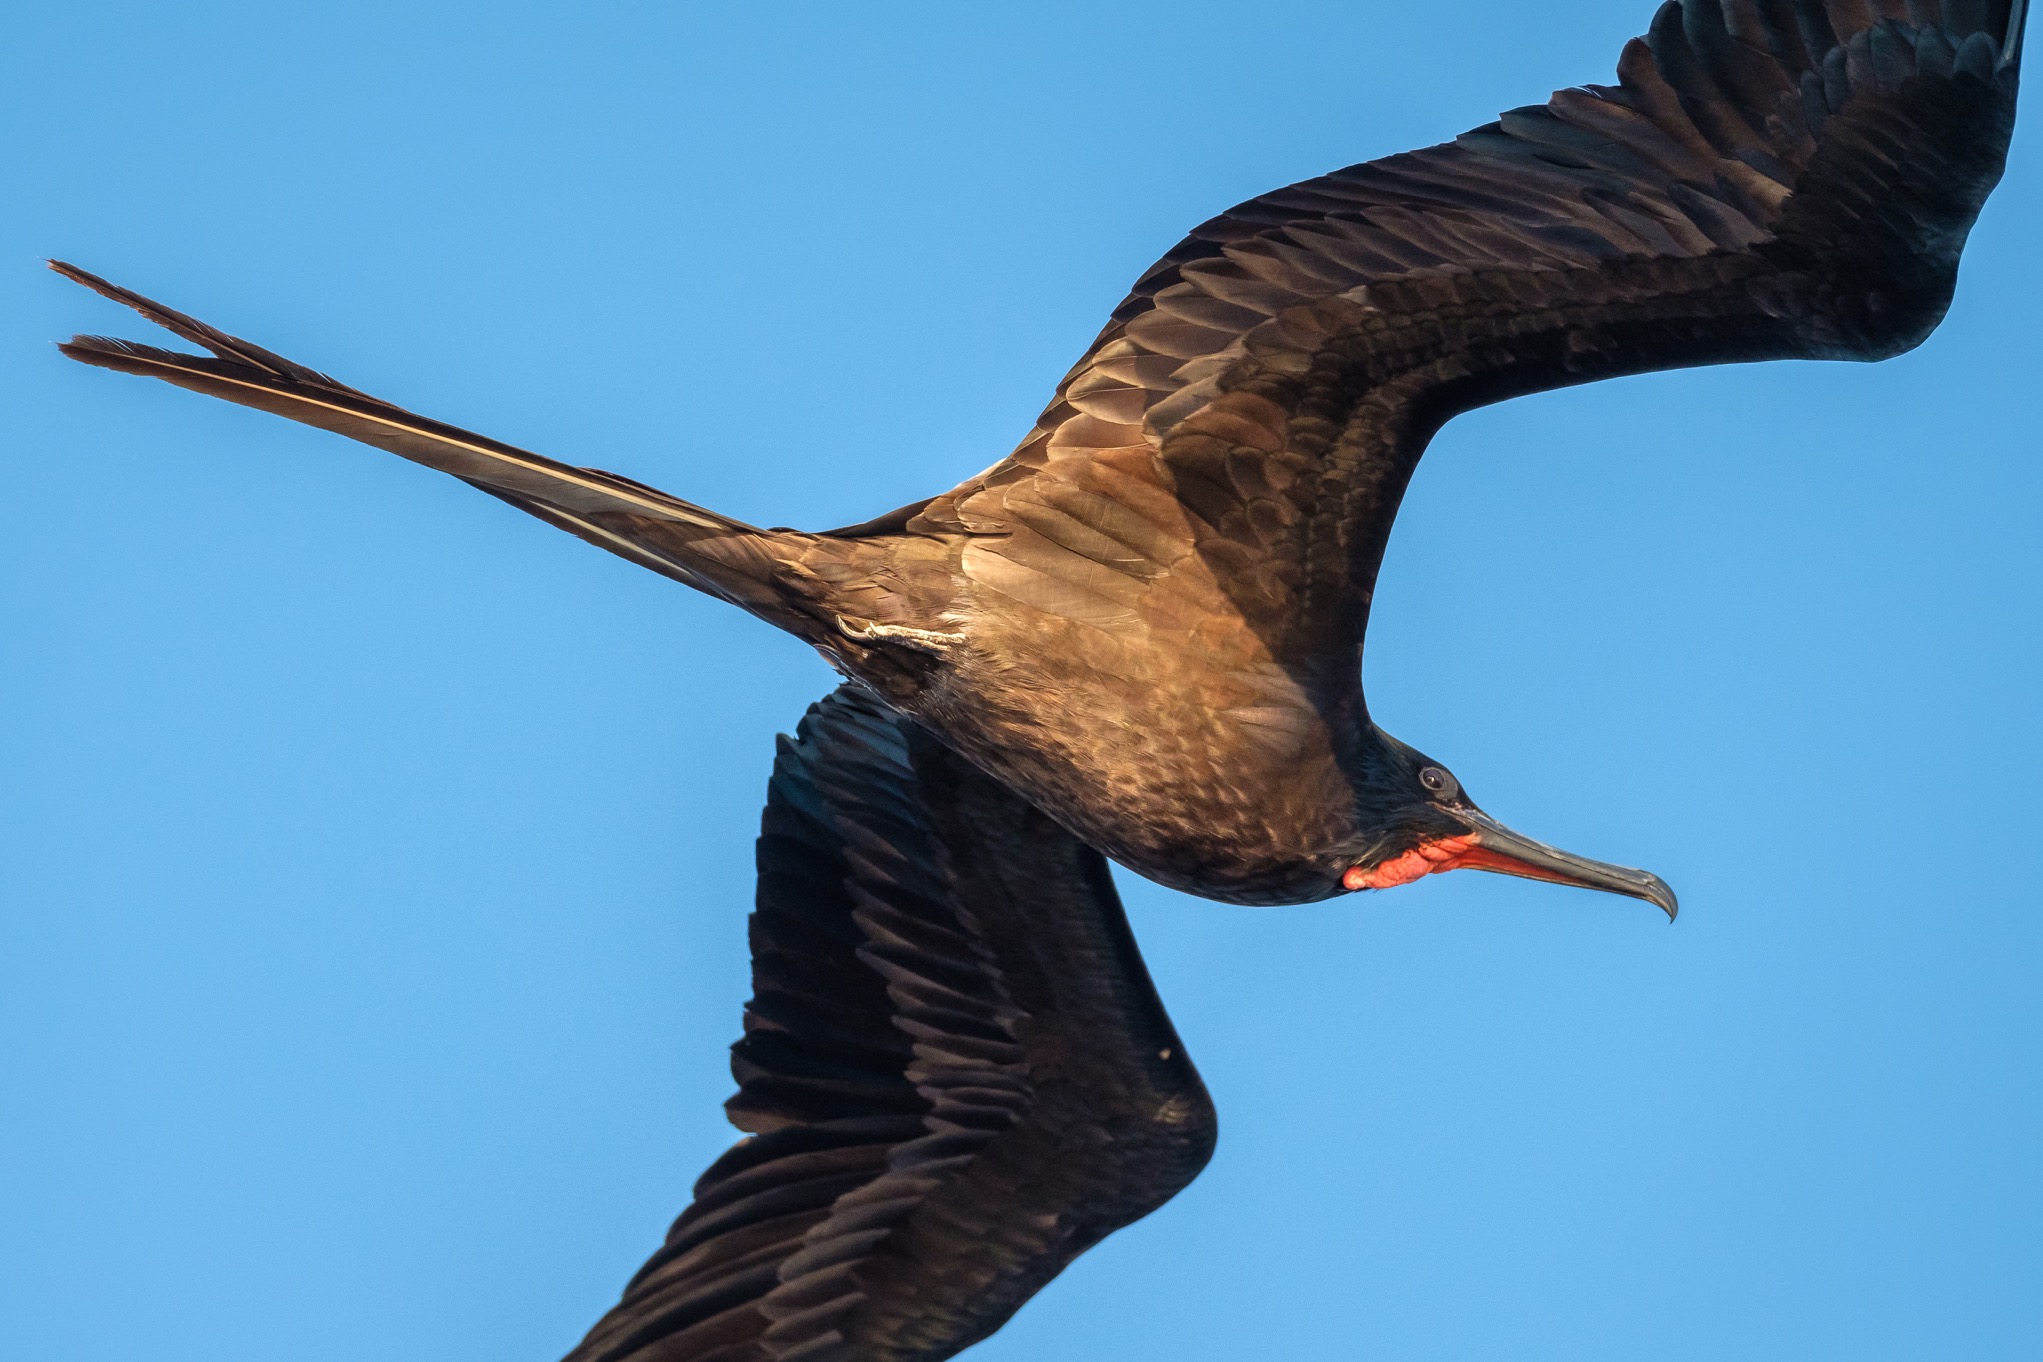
(1427,858)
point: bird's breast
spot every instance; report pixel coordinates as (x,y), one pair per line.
(1219,777)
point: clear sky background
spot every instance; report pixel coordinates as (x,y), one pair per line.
(374,859)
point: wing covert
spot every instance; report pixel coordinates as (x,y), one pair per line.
(955,1072)
(1767,179)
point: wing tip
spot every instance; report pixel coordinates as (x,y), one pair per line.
(2011,41)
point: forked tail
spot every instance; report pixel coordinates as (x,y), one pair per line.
(753,568)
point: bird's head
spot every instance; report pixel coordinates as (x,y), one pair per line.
(1415,820)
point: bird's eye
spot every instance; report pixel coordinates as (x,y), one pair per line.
(1437,781)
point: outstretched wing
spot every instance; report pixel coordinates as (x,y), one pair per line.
(955,1070)
(1767,179)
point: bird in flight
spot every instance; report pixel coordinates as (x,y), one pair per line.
(1138,635)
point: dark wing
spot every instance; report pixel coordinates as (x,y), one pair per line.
(955,1070)
(1767,179)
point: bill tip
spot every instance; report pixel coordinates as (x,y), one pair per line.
(1661,894)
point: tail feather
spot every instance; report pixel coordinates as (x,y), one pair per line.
(715,553)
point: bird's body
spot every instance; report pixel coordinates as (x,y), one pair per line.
(1204,762)
(1139,634)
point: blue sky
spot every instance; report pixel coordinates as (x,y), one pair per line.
(374,860)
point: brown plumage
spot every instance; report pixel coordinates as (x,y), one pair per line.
(1138,633)
(955,1069)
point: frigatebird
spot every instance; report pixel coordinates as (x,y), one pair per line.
(1137,636)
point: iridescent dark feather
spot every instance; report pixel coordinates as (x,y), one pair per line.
(1765,181)
(955,1071)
